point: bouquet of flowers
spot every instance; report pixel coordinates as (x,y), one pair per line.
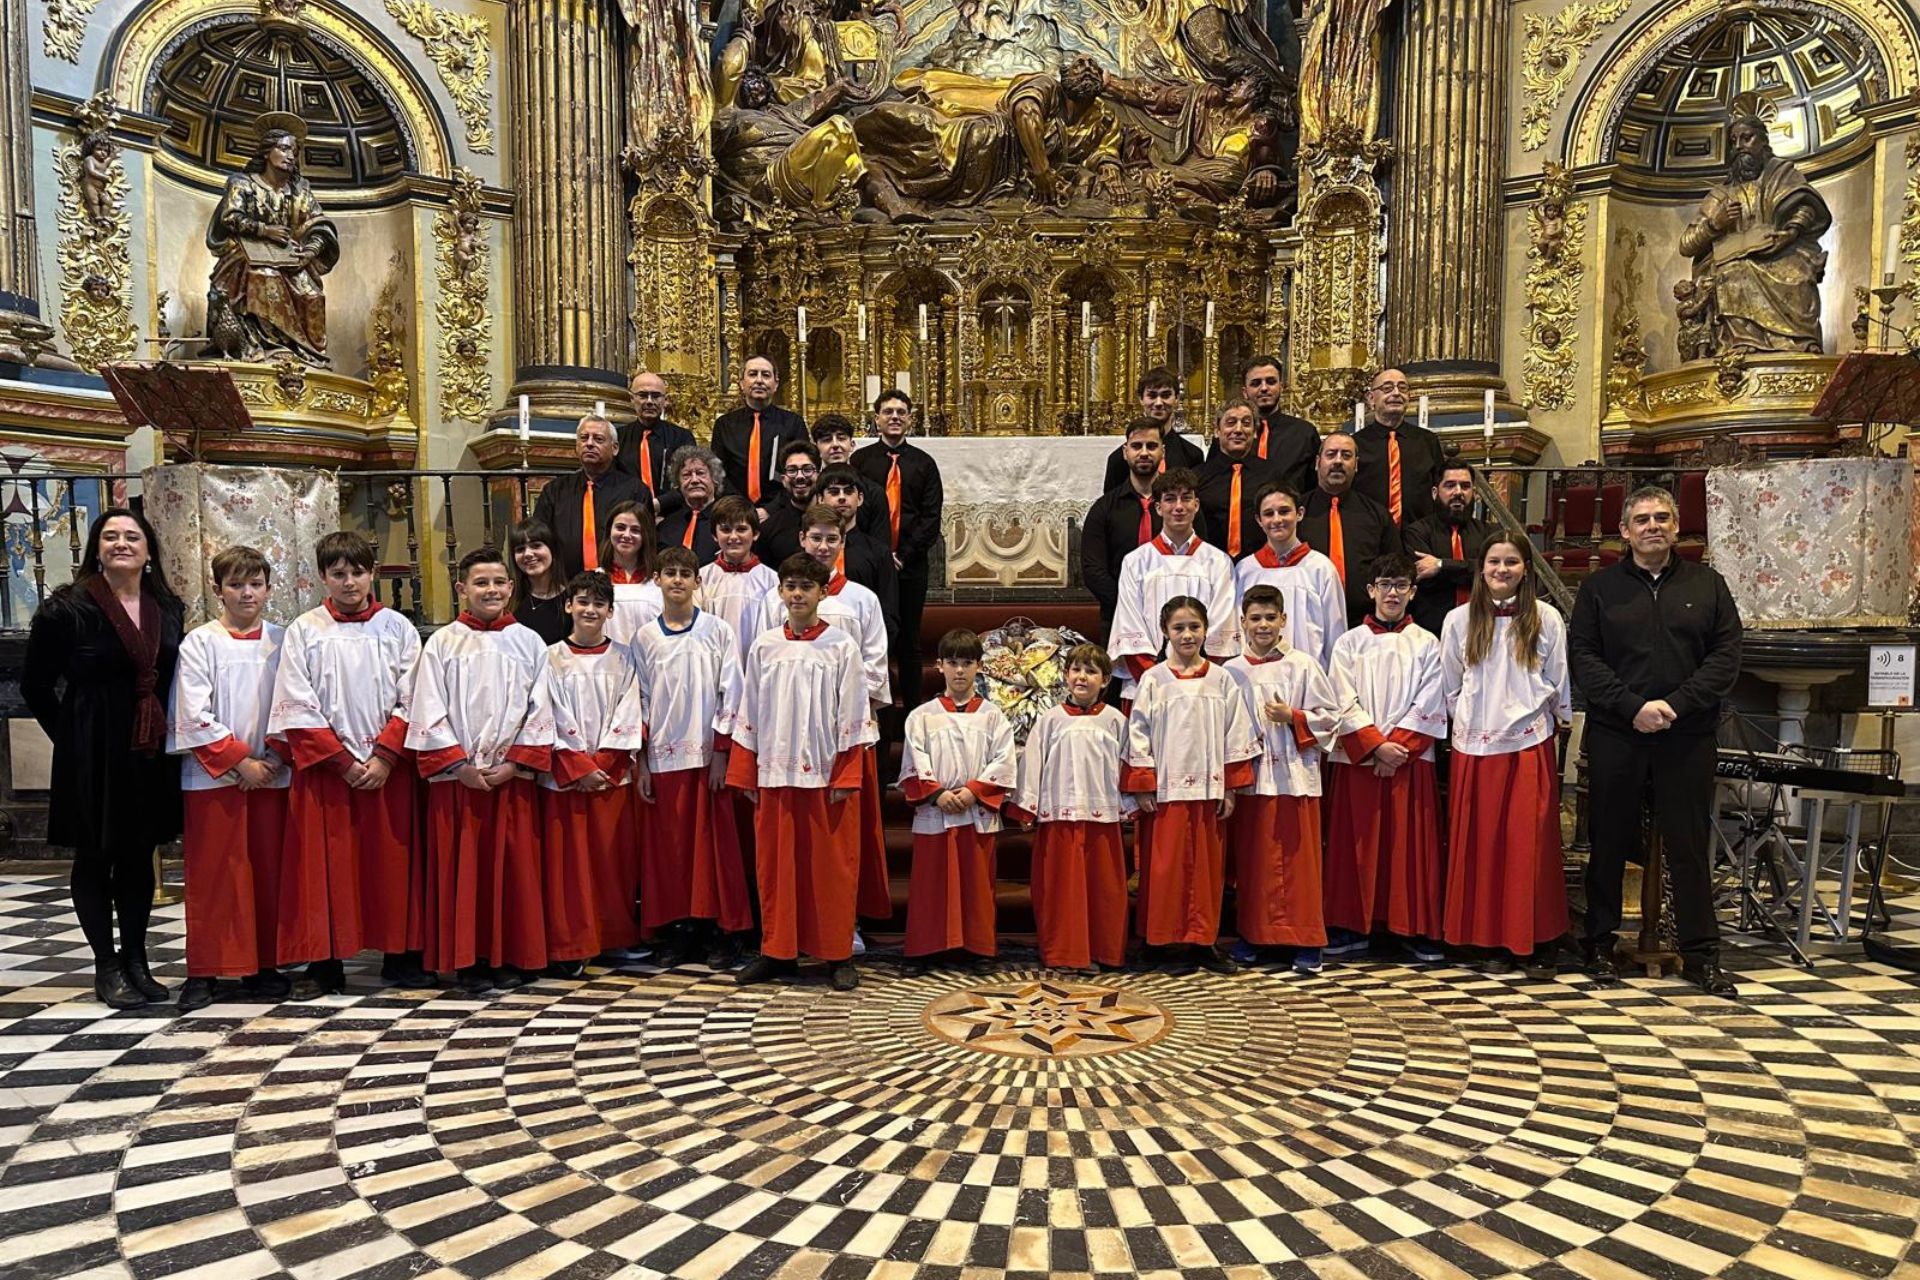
(1023,670)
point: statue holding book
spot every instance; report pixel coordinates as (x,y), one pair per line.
(272,246)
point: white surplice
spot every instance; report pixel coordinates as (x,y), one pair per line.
(1499,706)
(1155,572)
(802,703)
(1387,680)
(951,747)
(350,677)
(635,604)
(1070,768)
(1188,729)
(1284,768)
(473,690)
(690,685)
(855,610)
(736,596)
(223,688)
(1310,589)
(584,701)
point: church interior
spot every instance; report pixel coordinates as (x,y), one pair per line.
(271,269)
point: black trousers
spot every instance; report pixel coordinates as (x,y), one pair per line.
(905,643)
(1620,769)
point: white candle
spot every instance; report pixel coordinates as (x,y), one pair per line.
(863,326)
(1153,317)
(1423,411)
(1209,317)
(599,408)
(1359,415)
(902,382)
(1890,262)
(803,324)
(526,420)
(1486,411)
(1086,317)
(873,388)
(923,322)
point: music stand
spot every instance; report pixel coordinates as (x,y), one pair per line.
(1870,387)
(185,403)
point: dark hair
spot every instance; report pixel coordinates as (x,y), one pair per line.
(676,557)
(1394,564)
(649,542)
(477,557)
(1158,378)
(893,393)
(240,562)
(961,645)
(803,566)
(821,513)
(525,534)
(355,548)
(839,473)
(153,579)
(1458,464)
(832,424)
(1262,362)
(1178,603)
(1264,593)
(1272,487)
(734,509)
(761,355)
(1088,655)
(593,584)
(269,139)
(1138,425)
(799,444)
(1174,479)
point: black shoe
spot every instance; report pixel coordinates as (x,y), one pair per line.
(843,976)
(1539,967)
(724,953)
(1597,962)
(762,969)
(1710,978)
(1215,961)
(196,994)
(330,976)
(403,969)
(508,978)
(268,984)
(142,977)
(113,988)
(476,979)
(565,969)
(1499,964)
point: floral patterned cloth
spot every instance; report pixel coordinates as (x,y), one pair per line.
(198,510)
(1814,543)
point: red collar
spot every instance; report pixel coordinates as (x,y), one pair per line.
(1205,667)
(1073,708)
(1268,559)
(1508,610)
(837,581)
(1275,656)
(333,611)
(742,567)
(1166,548)
(622,577)
(500,623)
(973,704)
(245,635)
(811,633)
(1380,628)
(602,647)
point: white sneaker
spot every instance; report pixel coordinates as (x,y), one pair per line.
(859,943)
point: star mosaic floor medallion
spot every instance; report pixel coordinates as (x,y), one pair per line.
(1047,1019)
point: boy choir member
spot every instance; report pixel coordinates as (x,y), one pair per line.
(798,741)
(473,689)
(909,480)
(693,885)
(958,761)
(1230,477)
(1399,461)
(1175,563)
(833,436)
(1191,748)
(586,708)
(1313,600)
(235,784)
(1346,526)
(863,558)
(1384,865)
(1122,518)
(696,480)
(736,585)
(1275,832)
(749,438)
(1069,793)
(627,557)
(539,592)
(354,869)
(1159,397)
(1503,658)
(1445,545)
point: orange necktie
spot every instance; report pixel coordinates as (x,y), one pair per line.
(1460,594)
(753,461)
(646,461)
(893,502)
(1233,515)
(1263,439)
(1337,542)
(1146,522)
(693,522)
(589,544)
(1393,474)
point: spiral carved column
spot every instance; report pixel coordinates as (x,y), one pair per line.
(569,242)
(19,250)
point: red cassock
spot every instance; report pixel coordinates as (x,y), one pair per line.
(950,898)
(483,892)
(589,865)
(1079,885)
(691,866)
(807,860)
(1276,857)
(233,847)
(1507,885)
(354,866)
(1182,873)
(1390,871)
(875,896)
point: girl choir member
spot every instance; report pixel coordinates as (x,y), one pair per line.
(627,556)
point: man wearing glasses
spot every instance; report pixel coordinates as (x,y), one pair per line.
(1399,460)
(651,440)
(799,470)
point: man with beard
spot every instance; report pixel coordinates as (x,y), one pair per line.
(1289,443)
(749,439)
(1230,478)
(1399,460)
(1159,397)
(1445,545)
(1122,518)
(799,470)
(651,440)
(1346,527)
(1758,237)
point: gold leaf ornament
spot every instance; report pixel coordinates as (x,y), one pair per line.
(1551,56)
(466,330)
(65,28)
(458,44)
(96,271)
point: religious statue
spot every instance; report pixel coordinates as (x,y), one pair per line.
(796,153)
(1339,70)
(1758,237)
(271,246)
(1693,307)
(1223,138)
(666,89)
(96,173)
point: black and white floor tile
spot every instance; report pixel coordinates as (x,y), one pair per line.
(1368,1123)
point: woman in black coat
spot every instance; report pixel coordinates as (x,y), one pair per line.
(99,667)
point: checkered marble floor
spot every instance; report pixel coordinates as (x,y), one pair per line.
(1373,1121)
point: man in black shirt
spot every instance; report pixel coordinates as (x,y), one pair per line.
(576,506)
(799,471)
(1348,528)
(1445,545)
(1230,478)
(1399,460)
(833,435)
(749,438)
(646,446)
(1287,442)
(909,481)
(1159,402)
(1654,646)
(1122,518)
(864,559)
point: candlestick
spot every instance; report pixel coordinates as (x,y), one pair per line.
(1209,317)
(1423,411)
(526,421)
(923,322)
(1153,318)
(903,382)
(599,408)
(863,324)
(803,323)
(1486,413)
(1359,415)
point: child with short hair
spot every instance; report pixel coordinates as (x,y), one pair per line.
(353,871)
(1384,863)
(235,784)
(1191,750)
(473,690)
(804,719)
(693,878)
(1275,833)
(737,583)
(1311,592)
(1175,563)
(586,708)
(957,764)
(1069,793)
(628,556)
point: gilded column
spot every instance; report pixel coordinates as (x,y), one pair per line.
(19,248)
(569,245)
(1445,231)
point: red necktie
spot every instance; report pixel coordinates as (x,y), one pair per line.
(1146,521)
(893,502)
(646,461)
(1337,542)
(1233,515)
(1393,474)
(753,461)
(1460,594)
(693,522)
(589,542)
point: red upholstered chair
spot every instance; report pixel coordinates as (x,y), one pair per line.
(1693,551)
(1613,498)
(1578,512)
(1692,500)
(1608,555)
